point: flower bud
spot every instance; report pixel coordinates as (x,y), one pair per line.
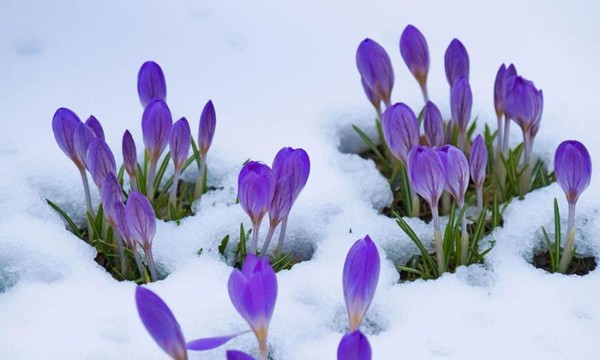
(456,62)
(573,168)
(156,126)
(151,83)
(426,173)
(256,186)
(96,127)
(415,53)
(100,161)
(64,123)
(129,153)
(461,103)
(206,130)
(478,161)
(456,169)
(433,125)
(180,142)
(400,130)
(375,68)
(140,219)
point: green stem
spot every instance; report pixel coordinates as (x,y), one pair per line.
(279,249)
(526,179)
(173,195)
(464,238)
(199,190)
(150,179)
(568,251)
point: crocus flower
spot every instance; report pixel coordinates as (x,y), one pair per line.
(361,273)
(499,85)
(415,53)
(253,292)
(179,143)
(456,62)
(238,355)
(375,68)
(354,346)
(96,127)
(400,130)
(256,186)
(373,98)
(478,163)
(160,322)
(156,126)
(141,225)
(82,137)
(206,132)
(291,168)
(100,161)
(573,170)
(111,192)
(433,125)
(461,103)
(130,158)
(511,71)
(426,173)
(64,124)
(151,83)
(118,209)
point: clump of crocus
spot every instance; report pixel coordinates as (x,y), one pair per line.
(433,125)
(461,103)
(206,132)
(179,144)
(140,221)
(426,173)
(156,126)
(456,62)
(256,185)
(160,322)
(478,163)
(253,292)
(291,168)
(456,169)
(401,134)
(130,159)
(377,74)
(151,83)
(415,53)
(354,346)
(573,170)
(523,104)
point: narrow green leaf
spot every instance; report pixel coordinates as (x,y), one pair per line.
(66,217)
(370,144)
(223,245)
(161,171)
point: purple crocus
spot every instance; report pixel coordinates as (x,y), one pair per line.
(291,168)
(96,127)
(256,185)
(426,173)
(375,68)
(400,130)
(360,277)
(237,355)
(253,292)
(354,346)
(141,226)
(130,158)
(206,132)
(160,322)
(461,103)
(456,62)
(511,71)
(415,53)
(112,194)
(156,126)
(373,98)
(179,143)
(478,162)
(151,83)
(100,161)
(118,209)
(82,137)
(433,125)
(499,90)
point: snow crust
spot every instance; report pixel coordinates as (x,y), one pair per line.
(283,74)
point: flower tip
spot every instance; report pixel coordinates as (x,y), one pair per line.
(151,83)
(354,346)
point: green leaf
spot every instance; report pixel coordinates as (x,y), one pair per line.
(370,144)
(66,217)
(553,264)
(223,245)
(557,235)
(430,262)
(161,171)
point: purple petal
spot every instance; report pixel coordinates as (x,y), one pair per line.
(160,323)
(415,53)
(238,355)
(426,173)
(294,162)
(118,209)
(156,126)
(535,126)
(151,83)
(360,277)
(100,161)
(478,161)
(456,168)
(372,96)
(82,137)
(573,168)
(129,153)
(64,123)
(206,130)
(354,346)
(522,102)
(499,90)
(433,125)
(375,68)
(456,62)
(461,103)
(283,199)
(180,142)
(96,127)
(211,343)
(400,130)
(256,186)
(111,192)
(140,219)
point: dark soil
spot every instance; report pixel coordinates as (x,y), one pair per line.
(579,265)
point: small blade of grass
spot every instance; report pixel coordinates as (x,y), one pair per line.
(67,218)
(370,144)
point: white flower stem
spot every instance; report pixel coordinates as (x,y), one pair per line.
(437,238)
(254,245)
(265,247)
(199,190)
(279,249)
(173,195)
(150,179)
(568,251)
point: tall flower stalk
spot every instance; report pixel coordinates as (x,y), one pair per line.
(206,132)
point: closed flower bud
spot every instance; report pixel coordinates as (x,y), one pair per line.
(433,125)
(573,168)
(64,123)
(156,126)
(375,68)
(426,173)
(179,142)
(415,53)
(461,103)
(206,130)
(111,193)
(100,161)
(140,219)
(400,130)
(456,62)
(294,162)
(522,102)
(456,168)
(478,161)
(151,83)
(354,346)
(82,137)
(256,186)
(129,153)
(96,127)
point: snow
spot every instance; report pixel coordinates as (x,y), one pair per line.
(283,74)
